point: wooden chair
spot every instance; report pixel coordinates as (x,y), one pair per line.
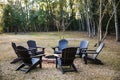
(32,45)
(94,54)
(83,46)
(18,56)
(63,43)
(66,60)
(28,60)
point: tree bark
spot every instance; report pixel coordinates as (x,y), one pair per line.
(100,24)
(116,20)
(87,18)
(106,32)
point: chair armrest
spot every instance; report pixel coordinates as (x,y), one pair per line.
(41,47)
(31,49)
(27,49)
(57,55)
(89,51)
(54,48)
(86,52)
(38,56)
(84,48)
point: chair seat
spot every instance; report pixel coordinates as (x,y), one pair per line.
(88,56)
(39,52)
(35,60)
(57,52)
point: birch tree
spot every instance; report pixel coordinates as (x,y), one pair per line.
(87,18)
(116,20)
(100,23)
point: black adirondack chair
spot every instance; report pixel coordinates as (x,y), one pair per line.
(66,60)
(92,54)
(30,61)
(32,45)
(63,43)
(83,46)
(18,56)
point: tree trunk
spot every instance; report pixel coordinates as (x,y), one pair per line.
(87,18)
(79,25)
(82,22)
(15,29)
(100,24)
(94,30)
(116,21)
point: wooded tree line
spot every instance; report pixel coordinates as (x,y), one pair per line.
(98,17)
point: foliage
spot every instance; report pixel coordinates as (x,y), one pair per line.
(1,29)
(7,16)
(11,18)
(50,15)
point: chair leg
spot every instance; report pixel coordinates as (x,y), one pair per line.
(32,67)
(61,69)
(80,54)
(22,65)
(74,67)
(40,64)
(28,69)
(85,58)
(97,61)
(16,60)
(56,62)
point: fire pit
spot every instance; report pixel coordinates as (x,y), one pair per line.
(49,59)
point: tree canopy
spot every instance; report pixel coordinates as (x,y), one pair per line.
(93,16)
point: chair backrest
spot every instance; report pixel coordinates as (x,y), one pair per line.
(68,55)
(14,47)
(84,44)
(63,43)
(24,54)
(31,45)
(98,50)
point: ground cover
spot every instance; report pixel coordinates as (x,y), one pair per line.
(110,56)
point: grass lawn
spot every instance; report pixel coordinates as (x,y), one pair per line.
(110,56)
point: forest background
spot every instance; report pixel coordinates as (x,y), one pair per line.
(42,20)
(97,17)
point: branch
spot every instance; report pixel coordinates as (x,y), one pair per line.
(67,24)
(106,32)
